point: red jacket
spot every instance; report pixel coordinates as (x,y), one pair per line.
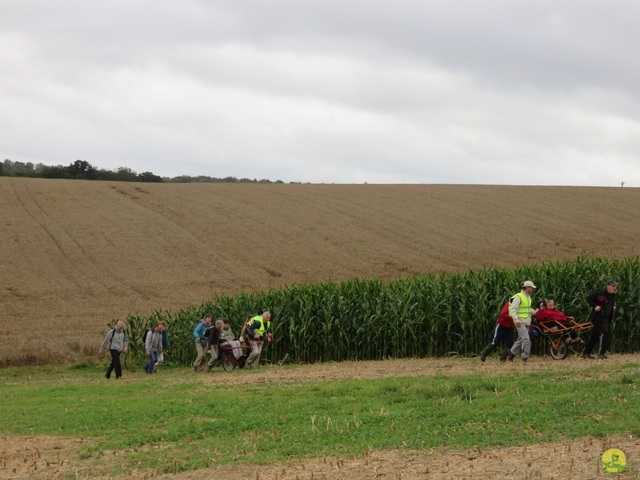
(504,318)
(547,314)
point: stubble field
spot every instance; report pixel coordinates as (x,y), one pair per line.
(78,254)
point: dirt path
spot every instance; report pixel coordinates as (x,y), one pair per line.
(410,368)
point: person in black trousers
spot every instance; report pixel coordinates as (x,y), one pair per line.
(602,310)
(118,343)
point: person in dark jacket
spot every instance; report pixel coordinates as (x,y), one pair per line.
(213,340)
(602,310)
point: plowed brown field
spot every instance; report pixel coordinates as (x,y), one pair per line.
(76,254)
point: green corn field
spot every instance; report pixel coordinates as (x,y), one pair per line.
(430,315)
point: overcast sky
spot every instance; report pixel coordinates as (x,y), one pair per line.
(483,92)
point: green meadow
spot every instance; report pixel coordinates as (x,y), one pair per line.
(195,422)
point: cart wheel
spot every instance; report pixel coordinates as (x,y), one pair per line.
(228,362)
(560,353)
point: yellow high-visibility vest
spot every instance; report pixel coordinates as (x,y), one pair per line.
(262,328)
(525,305)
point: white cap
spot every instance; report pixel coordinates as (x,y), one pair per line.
(528,283)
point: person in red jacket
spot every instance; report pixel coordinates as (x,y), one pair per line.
(503,333)
(548,316)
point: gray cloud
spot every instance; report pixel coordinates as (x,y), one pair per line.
(394,92)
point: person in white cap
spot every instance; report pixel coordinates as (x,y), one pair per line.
(521,311)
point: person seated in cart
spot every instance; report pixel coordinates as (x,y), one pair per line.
(548,316)
(228,339)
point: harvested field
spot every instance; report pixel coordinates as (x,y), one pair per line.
(77,254)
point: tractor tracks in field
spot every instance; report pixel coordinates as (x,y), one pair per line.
(187,238)
(77,262)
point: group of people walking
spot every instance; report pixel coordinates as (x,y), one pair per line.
(246,349)
(155,343)
(209,338)
(518,314)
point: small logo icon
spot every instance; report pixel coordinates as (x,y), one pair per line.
(614,462)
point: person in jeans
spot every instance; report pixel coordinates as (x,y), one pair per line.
(602,310)
(153,347)
(118,343)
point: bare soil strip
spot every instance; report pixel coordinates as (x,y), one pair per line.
(57,458)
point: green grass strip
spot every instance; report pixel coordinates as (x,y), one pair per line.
(197,425)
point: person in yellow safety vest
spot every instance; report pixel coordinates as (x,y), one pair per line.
(521,311)
(258,330)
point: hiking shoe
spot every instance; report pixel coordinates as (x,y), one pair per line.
(107,376)
(586,355)
(510,356)
(503,358)
(602,357)
(483,357)
(524,360)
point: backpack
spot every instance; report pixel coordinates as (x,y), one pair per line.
(144,334)
(113,332)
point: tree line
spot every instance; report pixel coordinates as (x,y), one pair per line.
(83,170)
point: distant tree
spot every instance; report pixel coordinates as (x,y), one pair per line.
(149,177)
(18,169)
(82,170)
(105,175)
(56,171)
(124,174)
